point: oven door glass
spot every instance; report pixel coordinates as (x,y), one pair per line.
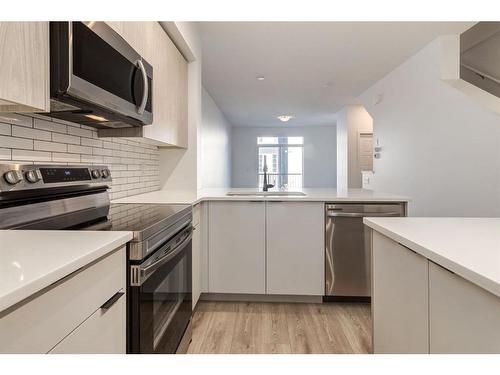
(161,306)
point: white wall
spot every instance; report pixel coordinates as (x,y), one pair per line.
(320,154)
(179,167)
(439,146)
(342,150)
(215,150)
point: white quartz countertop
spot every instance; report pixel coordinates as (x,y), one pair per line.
(469,247)
(321,195)
(33,260)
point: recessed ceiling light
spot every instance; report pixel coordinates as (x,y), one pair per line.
(284,118)
(261,78)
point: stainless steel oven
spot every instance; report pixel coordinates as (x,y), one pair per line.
(97,78)
(160,297)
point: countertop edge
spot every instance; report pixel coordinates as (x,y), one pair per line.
(477,279)
(20,294)
(208,198)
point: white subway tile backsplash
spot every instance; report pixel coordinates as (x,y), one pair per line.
(5,154)
(14,118)
(80,132)
(12,142)
(64,138)
(5,129)
(24,132)
(36,138)
(92,159)
(50,146)
(92,142)
(80,149)
(50,126)
(31,155)
(66,158)
(101,151)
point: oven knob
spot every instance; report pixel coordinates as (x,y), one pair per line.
(95,173)
(105,173)
(13,177)
(32,176)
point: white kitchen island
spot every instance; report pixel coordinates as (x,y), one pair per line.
(435,285)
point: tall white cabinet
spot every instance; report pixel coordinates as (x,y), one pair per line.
(295,248)
(237,247)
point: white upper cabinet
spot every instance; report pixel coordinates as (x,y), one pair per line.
(24,73)
(295,248)
(170,82)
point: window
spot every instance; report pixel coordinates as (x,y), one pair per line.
(284,159)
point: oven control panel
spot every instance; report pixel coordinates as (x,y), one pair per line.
(29,176)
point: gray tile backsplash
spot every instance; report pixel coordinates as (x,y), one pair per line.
(38,139)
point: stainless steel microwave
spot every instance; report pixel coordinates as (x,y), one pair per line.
(96,78)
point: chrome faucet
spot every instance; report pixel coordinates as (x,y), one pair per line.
(265,185)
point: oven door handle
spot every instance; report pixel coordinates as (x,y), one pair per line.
(145,272)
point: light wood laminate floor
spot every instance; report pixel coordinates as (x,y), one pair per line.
(254,327)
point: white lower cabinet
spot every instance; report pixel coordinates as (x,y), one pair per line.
(295,248)
(103,332)
(421,307)
(68,313)
(237,248)
(399,298)
(464,318)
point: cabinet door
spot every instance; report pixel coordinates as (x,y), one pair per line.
(102,333)
(237,253)
(464,318)
(24,73)
(295,248)
(400,298)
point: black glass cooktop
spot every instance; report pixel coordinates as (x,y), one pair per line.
(142,219)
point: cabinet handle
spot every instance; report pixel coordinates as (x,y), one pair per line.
(110,302)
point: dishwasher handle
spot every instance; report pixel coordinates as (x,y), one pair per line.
(362,214)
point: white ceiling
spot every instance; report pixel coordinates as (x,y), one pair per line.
(311,69)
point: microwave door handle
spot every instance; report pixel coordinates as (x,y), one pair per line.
(146,272)
(145,94)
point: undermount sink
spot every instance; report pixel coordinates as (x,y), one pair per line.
(266,193)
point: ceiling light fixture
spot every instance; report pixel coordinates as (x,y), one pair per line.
(284,118)
(261,78)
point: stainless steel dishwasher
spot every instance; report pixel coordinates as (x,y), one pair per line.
(348,248)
